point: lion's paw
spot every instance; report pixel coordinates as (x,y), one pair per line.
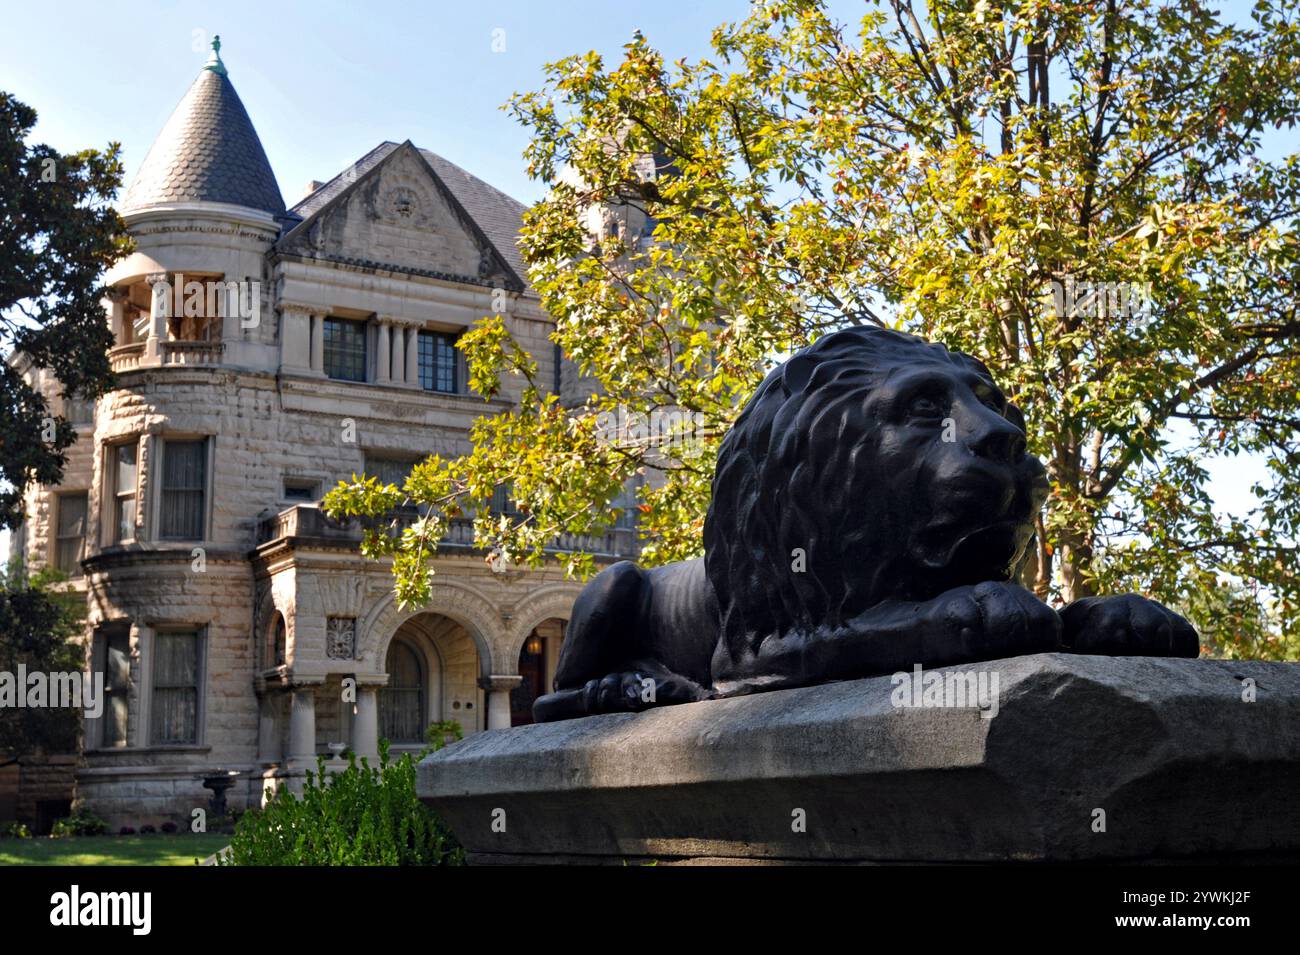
(1127,625)
(615,693)
(994,619)
(640,689)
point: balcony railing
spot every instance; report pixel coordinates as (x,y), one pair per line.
(131,356)
(192,353)
(309,521)
(126,357)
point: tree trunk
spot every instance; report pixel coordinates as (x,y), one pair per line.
(1076,560)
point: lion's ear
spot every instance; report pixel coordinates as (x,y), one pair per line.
(796,374)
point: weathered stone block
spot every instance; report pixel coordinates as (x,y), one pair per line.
(1082,758)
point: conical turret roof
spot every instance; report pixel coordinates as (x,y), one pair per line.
(207,152)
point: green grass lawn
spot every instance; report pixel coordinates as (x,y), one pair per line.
(160,849)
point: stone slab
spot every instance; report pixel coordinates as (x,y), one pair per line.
(1182,767)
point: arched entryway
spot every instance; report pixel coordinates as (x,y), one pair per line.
(433,669)
(537,661)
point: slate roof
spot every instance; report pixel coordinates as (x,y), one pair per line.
(207,152)
(499,216)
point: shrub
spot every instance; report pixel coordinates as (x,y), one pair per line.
(82,822)
(361,815)
(126,831)
(147,830)
(14,830)
(168,827)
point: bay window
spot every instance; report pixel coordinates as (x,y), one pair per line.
(123,458)
(177,666)
(183,509)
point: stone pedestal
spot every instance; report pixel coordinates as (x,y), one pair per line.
(1080,758)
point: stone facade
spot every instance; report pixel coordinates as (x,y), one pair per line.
(248,635)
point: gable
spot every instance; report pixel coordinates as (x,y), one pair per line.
(399,215)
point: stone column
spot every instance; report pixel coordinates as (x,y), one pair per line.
(399,355)
(269,747)
(159,310)
(148,471)
(318,344)
(302,725)
(230,317)
(413,357)
(116,313)
(365,724)
(498,688)
(384,354)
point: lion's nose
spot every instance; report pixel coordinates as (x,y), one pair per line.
(999,440)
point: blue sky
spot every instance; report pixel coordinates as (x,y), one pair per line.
(324,82)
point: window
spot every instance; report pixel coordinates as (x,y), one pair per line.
(79,411)
(111,656)
(390,470)
(345,349)
(184,487)
(124,475)
(503,501)
(401,702)
(438,362)
(299,489)
(279,643)
(175,704)
(70,533)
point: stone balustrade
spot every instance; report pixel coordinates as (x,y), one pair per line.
(307,521)
(135,354)
(126,357)
(192,353)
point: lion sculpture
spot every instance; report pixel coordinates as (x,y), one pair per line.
(872,508)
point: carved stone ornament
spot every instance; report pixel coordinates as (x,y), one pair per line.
(341,638)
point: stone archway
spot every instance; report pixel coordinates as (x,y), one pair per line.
(533,643)
(538,658)
(467,607)
(433,667)
(553,602)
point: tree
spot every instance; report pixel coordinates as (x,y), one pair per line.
(58,234)
(39,629)
(969,171)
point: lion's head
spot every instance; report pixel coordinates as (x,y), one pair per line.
(895,467)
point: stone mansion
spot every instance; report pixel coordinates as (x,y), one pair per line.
(230,617)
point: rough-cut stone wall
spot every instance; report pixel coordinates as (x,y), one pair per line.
(32,781)
(36,541)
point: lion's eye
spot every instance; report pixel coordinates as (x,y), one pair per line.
(923,405)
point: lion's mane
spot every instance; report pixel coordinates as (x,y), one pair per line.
(789,477)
